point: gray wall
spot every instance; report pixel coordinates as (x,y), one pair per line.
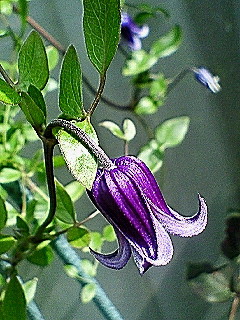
(206,162)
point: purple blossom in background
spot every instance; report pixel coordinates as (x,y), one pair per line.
(205,77)
(130,199)
(131,33)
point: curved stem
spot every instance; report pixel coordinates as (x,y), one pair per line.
(48,145)
(5,76)
(83,137)
(98,94)
(234,308)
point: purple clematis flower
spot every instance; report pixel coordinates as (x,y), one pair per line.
(129,197)
(205,77)
(132,33)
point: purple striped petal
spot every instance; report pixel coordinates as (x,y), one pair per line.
(119,258)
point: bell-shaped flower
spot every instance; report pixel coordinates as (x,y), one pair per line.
(205,77)
(131,32)
(129,197)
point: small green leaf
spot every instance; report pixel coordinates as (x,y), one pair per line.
(165,46)
(14,302)
(3,213)
(80,161)
(168,44)
(158,89)
(32,62)
(88,292)
(89,267)
(53,57)
(70,94)
(129,129)
(9,175)
(113,128)
(7,94)
(172,132)
(42,257)
(213,287)
(37,97)
(152,156)
(71,271)
(65,211)
(79,237)
(6,242)
(23,6)
(33,113)
(75,190)
(101,25)
(96,241)
(22,226)
(109,233)
(146,105)
(29,288)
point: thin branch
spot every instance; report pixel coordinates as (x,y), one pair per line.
(70,257)
(178,78)
(234,308)
(5,76)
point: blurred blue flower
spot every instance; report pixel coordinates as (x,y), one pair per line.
(129,197)
(205,77)
(132,33)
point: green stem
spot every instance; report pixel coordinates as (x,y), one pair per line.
(5,76)
(48,145)
(178,78)
(69,257)
(98,95)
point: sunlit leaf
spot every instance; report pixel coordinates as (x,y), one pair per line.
(75,190)
(88,292)
(6,243)
(53,57)
(7,94)
(152,156)
(9,175)
(80,161)
(109,233)
(29,288)
(146,105)
(42,257)
(172,132)
(79,237)
(88,267)
(3,213)
(113,128)
(32,62)
(101,23)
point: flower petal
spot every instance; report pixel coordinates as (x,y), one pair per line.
(117,259)
(183,226)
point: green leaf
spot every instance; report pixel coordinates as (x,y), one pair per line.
(7,94)
(152,156)
(168,44)
(42,257)
(3,213)
(129,129)
(53,57)
(80,161)
(96,241)
(75,190)
(79,237)
(37,97)
(22,226)
(33,113)
(146,105)
(14,302)
(65,211)
(109,233)
(113,128)
(32,62)
(23,6)
(158,89)
(89,267)
(29,288)
(165,46)
(172,132)
(212,287)
(88,292)
(71,271)
(70,94)
(6,242)
(9,175)
(101,25)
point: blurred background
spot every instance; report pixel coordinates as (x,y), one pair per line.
(208,160)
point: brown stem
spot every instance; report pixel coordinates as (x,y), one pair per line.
(5,76)
(234,308)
